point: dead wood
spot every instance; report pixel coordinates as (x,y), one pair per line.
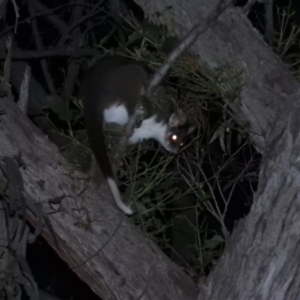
(99,243)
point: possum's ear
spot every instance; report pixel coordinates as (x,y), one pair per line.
(177,119)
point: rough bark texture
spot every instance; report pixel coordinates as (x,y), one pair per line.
(118,262)
(262,260)
(38,95)
(268,84)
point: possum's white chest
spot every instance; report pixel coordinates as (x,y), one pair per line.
(116,114)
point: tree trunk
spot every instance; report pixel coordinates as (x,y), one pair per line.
(97,241)
(261,261)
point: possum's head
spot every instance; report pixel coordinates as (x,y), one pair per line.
(171,132)
(177,130)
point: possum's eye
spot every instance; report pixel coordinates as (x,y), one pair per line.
(173,138)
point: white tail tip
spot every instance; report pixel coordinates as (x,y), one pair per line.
(117,196)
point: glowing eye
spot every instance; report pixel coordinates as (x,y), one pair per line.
(174,137)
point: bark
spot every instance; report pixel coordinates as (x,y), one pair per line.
(38,96)
(262,259)
(268,84)
(14,236)
(100,244)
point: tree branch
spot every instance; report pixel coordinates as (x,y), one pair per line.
(246,8)
(128,264)
(24,90)
(5,85)
(192,35)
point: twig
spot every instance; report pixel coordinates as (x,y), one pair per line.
(73,66)
(60,25)
(16,8)
(24,90)
(116,8)
(87,17)
(269,23)
(52,11)
(5,86)
(66,51)
(198,29)
(51,17)
(40,46)
(248,6)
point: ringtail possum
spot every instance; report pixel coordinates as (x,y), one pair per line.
(112,91)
